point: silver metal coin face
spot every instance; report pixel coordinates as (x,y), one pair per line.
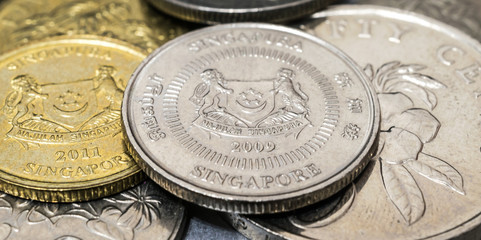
(143,212)
(250,118)
(214,11)
(462,14)
(424,181)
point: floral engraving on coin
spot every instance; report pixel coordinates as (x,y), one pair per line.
(118,217)
(405,128)
(56,113)
(234,108)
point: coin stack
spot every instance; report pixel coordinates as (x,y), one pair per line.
(307,119)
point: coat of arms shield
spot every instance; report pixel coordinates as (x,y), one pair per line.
(69,104)
(250,102)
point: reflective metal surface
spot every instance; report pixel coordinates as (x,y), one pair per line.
(213,11)
(462,14)
(60,123)
(424,181)
(259,114)
(133,21)
(144,212)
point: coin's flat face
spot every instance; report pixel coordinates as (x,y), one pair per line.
(143,212)
(212,11)
(60,120)
(250,118)
(462,14)
(424,182)
(24,21)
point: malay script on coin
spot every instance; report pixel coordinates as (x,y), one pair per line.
(424,181)
(250,112)
(60,119)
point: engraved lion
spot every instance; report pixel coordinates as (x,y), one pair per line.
(207,94)
(107,88)
(289,97)
(26,91)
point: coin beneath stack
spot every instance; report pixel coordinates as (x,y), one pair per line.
(213,11)
(462,14)
(250,118)
(143,212)
(24,21)
(424,182)
(60,120)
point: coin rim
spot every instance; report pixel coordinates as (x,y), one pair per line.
(244,204)
(211,15)
(81,190)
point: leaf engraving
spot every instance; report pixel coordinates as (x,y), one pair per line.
(400,146)
(422,80)
(5,231)
(437,171)
(133,216)
(5,208)
(414,92)
(406,126)
(35,216)
(419,122)
(403,191)
(107,225)
(394,73)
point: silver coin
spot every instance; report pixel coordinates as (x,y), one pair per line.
(462,14)
(143,212)
(214,11)
(424,181)
(250,118)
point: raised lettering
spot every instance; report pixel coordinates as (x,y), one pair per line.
(469,73)
(443,51)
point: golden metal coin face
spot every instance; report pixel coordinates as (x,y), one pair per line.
(133,21)
(60,121)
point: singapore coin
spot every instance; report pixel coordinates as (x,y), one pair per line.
(462,14)
(424,181)
(23,21)
(250,118)
(213,11)
(143,212)
(60,119)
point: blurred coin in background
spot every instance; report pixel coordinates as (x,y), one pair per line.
(133,21)
(214,11)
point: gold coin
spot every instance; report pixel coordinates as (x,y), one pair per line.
(133,21)
(60,127)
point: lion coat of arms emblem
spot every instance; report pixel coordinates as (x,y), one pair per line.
(251,108)
(71,111)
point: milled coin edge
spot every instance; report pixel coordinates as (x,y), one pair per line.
(189,12)
(224,202)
